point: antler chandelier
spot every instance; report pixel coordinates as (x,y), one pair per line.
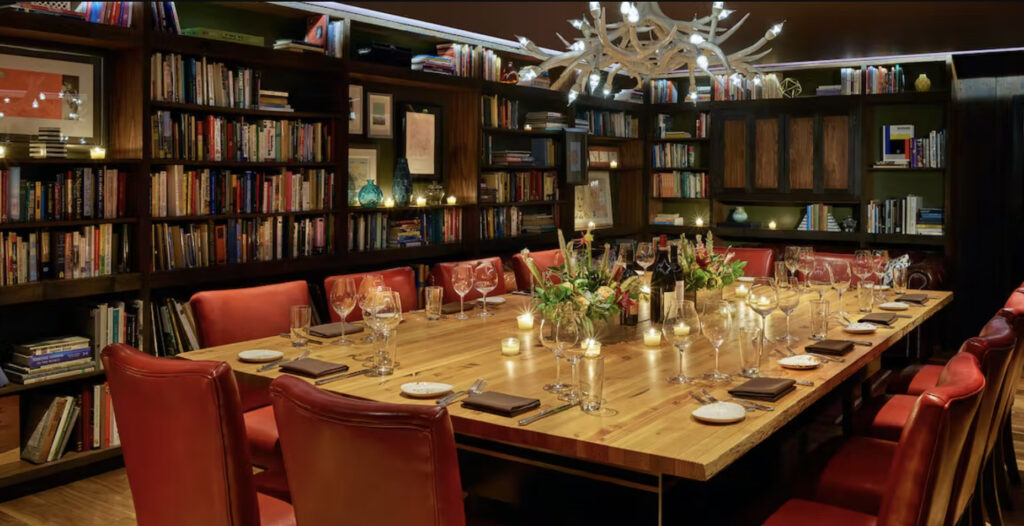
(646,44)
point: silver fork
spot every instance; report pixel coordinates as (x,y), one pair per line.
(747,408)
(476,388)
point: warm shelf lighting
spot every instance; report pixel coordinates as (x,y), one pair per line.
(451,199)
(389,203)
(98,152)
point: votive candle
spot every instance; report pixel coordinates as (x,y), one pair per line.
(389,203)
(613,165)
(741,290)
(421,201)
(97,152)
(525,321)
(652,338)
(527,128)
(510,346)
(771,225)
(699,221)
(591,348)
(3,152)
(451,199)
(681,329)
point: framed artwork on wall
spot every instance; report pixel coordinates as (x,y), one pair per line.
(421,139)
(362,167)
(594,202)
(379,116)
(51,89)
(576,157)
(355,109)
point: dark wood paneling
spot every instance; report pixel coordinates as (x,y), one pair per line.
(801,153)
(462,145)
(735,153)
(836,132)
(766,158)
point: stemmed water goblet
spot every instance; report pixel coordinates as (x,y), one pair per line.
(792,259)
(556,335)
(463,277)
(763,299)
(370,284)
(385,313)
(716,323)
(343,296)
(880,262)
(820,277)
(485,279)
(681,328)
(645,255)
(842,275)
(805,263)
(789,299)
(863,268)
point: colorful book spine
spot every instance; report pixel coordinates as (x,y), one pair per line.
(178,135)
(175,191)
(76,193)
(91,251)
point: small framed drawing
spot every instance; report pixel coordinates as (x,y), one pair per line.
(362,167)
(379,116)
(355,109)
(576,157)
(51,89)
(594,202)
(602,156)
(422,128)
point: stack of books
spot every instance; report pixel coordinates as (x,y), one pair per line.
(829,90)
(274,100)
(630,95)
(433,64)
(76,193)
(540,81)
(49,144)
(818,217)
(667,219)
(511,157)
(50,359)
(929,221)
(299,46)
(546,120)
(537,223)
(664,91)
(381,230)
(405,233)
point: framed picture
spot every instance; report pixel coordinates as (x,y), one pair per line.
(51,89)
(421,138)
(594,202)
(362,167)
(576,157)
(378,112)
(602,156)
(355,109)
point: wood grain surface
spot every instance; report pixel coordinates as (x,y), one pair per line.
(652,430)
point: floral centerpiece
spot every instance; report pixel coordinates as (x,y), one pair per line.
(703,269)
(589,289)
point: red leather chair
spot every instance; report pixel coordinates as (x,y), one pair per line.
(542,260)
(442,274)
(360,462)
(401,280)
(871,481)
(760,261)
(234,315)
(184,443)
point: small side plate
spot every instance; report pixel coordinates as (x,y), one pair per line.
(894,305)
(860,328)
(426,389)
(800,361)
(259,356)
(493,300)
(720,413)
(745,279)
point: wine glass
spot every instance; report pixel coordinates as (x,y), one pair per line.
(463,277)
(681,328)
(567,336)
(820,277)
(343,297)
(880,261)
(781,272)
(370,284)
(805,262)
(716,323)
(552,337)
(789,299)
(842,275)
(645,255)
(385,310)
(485,279)
(792,259)
(763,299)
(863,267)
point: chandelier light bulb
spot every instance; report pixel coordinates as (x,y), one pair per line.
(717,5)
(634,15)
(607,91)
(595,8)
(696,39)
(773,31)
(576,23)
(572,95)
(578,46)
(692,95)
(7,100)
(42,96)
(595,79)
(523,41)
(702,62)
(725,14)
(35,103)
(624,8)
(757,80)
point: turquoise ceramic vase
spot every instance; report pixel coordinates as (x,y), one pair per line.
(401,185)
(370,195)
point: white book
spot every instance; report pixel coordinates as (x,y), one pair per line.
(55,450)
(97,413)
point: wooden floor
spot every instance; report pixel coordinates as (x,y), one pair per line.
(104,500)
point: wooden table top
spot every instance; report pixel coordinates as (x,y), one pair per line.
(653,430)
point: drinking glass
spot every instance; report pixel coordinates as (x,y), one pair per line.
(781,272)
(880,260)
(842,275)
(820,277)
(370,284)
(819,319)
(385,309)
(548,331)
(805,262)
(681,328)
(792,259)
(591,383)
(299,316)
(645,255)
(463,277)
(789,299)
(750,350)
(567,336)
(864,298)
(863,268)
(485,279)
(763,299)
(344,296)
(899,280)
(433,296)
(716,323)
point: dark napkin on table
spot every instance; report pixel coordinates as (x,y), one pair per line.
(763,388)
(916,297)
(313,368)
(883,318)
(452,308)
(831,347)
(333,330)
(500,403)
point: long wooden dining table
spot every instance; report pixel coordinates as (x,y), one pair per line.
(648,430)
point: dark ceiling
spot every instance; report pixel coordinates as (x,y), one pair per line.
(813,31)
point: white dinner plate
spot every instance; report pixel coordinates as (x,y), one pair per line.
(426,389)
(894,305)
(882,287)
(860,328)
(720,413)
(800,361)
(260,356)
(495,300)
(747,279)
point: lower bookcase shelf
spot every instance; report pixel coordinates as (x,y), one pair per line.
(21,472)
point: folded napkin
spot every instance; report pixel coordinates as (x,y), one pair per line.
(452,308)
(500,403)
(884,318)
(832,347)
(763,388)
(333,330)
(313,368)
(916,297)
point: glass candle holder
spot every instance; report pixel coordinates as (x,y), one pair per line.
(510,346)
(525,321)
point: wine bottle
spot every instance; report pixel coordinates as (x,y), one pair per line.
(629,316)
(663,281)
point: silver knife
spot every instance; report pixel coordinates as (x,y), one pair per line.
(549,412)
(755,405)
(807,383)
(825,357)
(329,379)
(862,342)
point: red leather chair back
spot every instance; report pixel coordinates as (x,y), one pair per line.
(236,315)
(925,466)
(542,260)
(834,257)
(442,274)
(359,462)
(760,261)
(182,438)
(401,280)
